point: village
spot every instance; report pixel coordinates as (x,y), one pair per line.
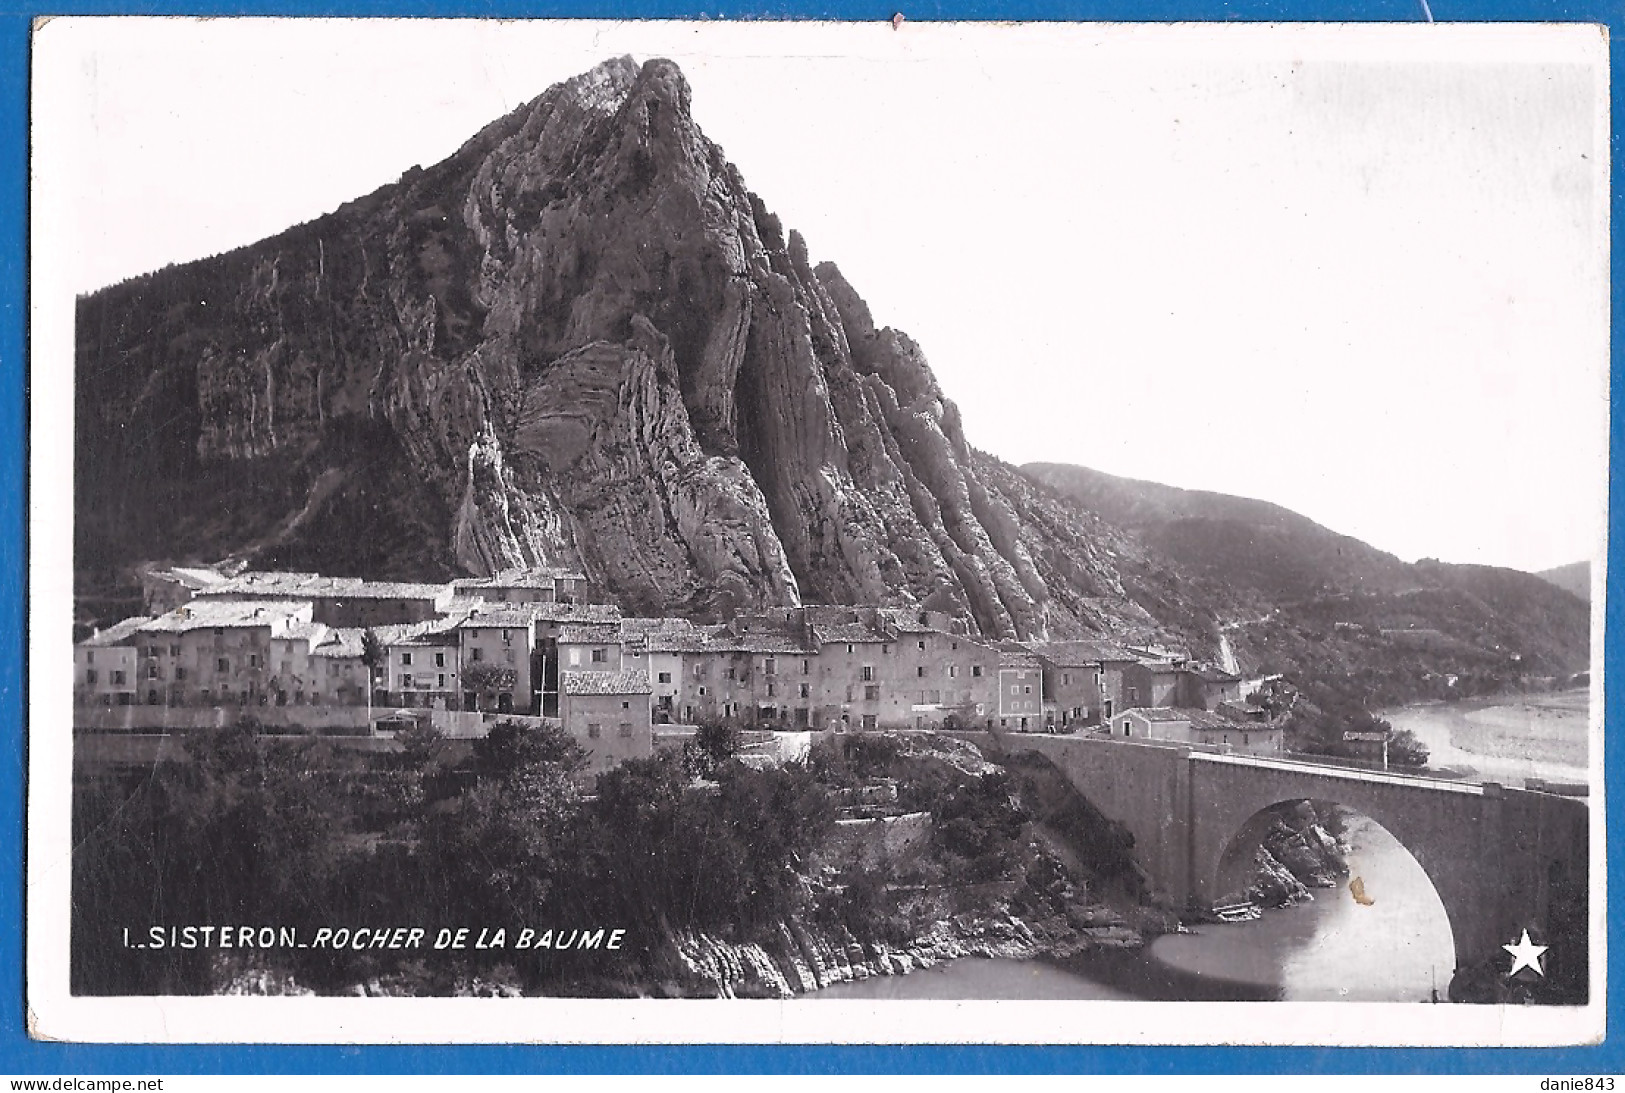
(302,652)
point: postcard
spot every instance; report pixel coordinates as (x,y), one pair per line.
(605,532)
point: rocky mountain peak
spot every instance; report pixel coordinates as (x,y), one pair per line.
(580,339)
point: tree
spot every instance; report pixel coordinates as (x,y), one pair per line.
(713,745)
(513,749)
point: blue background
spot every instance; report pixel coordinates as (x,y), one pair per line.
(21,1056)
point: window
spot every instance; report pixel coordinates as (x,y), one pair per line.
(479,654)
(849,647)
(594,731)
(174,650)
(922,646)
(1133,694)
(1066,678)
(770,666)
(626,705)
(406,659)
(885,650)
(90,676)
(954,645)
(976,670)
(90,656)
(118,677)
(1026,690)
(805,690)
(920,671)
(152,650)
(406,681)
(733,673)
(868,672)
(699,671)
(599,656)
(222,665)
(253,660)
(953,671)
(507,635)
(871,693)
(806,666)
(440,681)
(510,656)
(702,692)
(665,677)
(152,671)
(626,728)
(180,674)
(869,721)
(770,690)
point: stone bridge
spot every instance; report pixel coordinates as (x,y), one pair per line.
(1501,859)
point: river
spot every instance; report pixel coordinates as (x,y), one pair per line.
(1505,739)
(1397,947)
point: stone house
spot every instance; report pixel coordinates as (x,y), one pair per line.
(105,665)
(211,652)
(1021,689)
(608,714)
(339,675)
(1188,726)
(496,646)
(422,665)
(292,679)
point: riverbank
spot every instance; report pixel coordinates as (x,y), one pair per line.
(1508,738)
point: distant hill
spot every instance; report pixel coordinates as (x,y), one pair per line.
(1574,577)
(1331,607)
(1236,539)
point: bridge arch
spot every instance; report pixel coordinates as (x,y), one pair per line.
(1236,865)
(1498,858)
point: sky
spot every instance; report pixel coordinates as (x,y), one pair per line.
(1358,271)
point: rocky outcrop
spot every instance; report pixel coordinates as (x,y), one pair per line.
(578,340)
(1296,854)
(804,959)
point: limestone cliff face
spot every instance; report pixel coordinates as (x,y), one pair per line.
(582,340)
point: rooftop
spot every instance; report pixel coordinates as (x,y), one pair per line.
(224,614)
(117,634)
(508,616)
(540,576)
(589,633)
(345,642)
(604,683)
(575,612)
(852,632)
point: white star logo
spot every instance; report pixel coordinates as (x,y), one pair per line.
(1525,954)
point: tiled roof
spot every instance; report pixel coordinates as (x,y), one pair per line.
(1079,654)
(1210,674)
(279,584)
(1164,713)
(589,633)
(345,642)
(905,621)
(604,683)
(505,615)
(392,590)
(203,614)
(297,629)
(575,612)
(847,632)
(427,632)
(117,634)
(534,577)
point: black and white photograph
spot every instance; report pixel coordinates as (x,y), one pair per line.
(1031,533)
